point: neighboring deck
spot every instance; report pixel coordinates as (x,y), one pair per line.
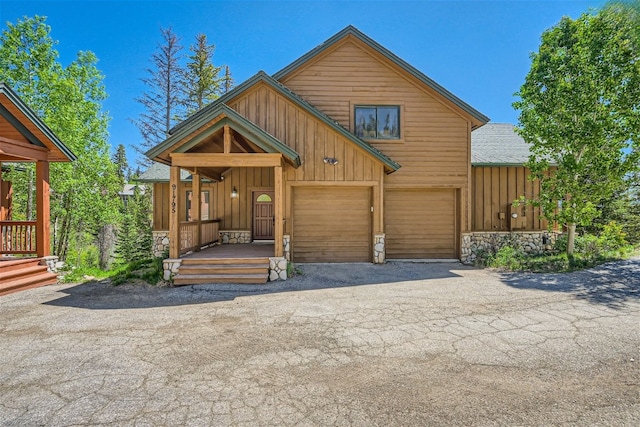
(17,274)
(239,263)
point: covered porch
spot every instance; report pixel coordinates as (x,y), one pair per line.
(231,152)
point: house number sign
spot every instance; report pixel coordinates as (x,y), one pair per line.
(173,198)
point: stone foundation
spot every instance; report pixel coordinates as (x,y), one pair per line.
(160,243)
(170,267)
(232,237)
(529,242)
(277,268)
(51,262)
(379,252)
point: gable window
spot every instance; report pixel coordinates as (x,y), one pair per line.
(377,121)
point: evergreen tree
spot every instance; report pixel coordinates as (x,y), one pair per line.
(164,99)
(228,80)
(203,81)
(119,159)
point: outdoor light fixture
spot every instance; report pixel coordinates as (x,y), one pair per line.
(330,161)
(234,193)
(514,215)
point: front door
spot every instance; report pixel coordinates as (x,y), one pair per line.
(263,215)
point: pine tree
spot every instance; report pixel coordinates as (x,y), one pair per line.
(203,81)
(119,158)
(228,80)
(164,100)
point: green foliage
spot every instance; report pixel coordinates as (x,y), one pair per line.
(135,237)
(148,270)
(69,100)
(506,257)
(202,78)
(119,159)
(580,110)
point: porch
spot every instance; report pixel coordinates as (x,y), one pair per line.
(239,263)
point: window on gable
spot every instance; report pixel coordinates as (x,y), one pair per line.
(377,122)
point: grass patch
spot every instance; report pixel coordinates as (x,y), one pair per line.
(149,270)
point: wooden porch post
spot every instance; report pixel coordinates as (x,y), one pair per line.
(174,222)
(195,207)
(2,196)
(42,209)
(279,210)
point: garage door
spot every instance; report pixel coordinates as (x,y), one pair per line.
(331,224)
(420,224)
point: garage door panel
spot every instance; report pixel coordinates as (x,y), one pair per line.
(420,223)
(331,224)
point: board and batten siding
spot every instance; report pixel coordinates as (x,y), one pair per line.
(314,141)
(494,189)
(434,139)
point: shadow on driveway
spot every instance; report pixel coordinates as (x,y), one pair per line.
(610,284)
(104,296)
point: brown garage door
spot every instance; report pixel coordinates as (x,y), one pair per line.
(420,224)
(331,224)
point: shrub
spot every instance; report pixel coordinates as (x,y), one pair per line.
(506,257)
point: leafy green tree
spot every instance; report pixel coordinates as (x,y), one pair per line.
(69,100)
(580,110)
(202,78)
(164,99)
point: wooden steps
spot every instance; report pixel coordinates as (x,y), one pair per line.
(222,270)
(26,273)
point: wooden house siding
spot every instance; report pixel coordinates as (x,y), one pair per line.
(315,141)
(434,139)
(494,189)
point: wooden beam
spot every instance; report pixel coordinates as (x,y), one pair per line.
(195,208)
(279,211)
(22,150)
(227,139)
(204,160)
(42,209)
(174,221)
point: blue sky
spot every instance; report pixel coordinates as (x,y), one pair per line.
(479,50)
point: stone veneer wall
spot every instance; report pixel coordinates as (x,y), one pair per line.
(231,237)
(160,243)
(277,268)
(530,242)
(379,252)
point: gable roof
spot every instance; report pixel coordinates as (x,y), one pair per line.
(423,78)
(261,138)
(46,138)
(198,119)
(159,172)
(498,144)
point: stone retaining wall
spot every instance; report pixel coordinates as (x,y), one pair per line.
(530,242)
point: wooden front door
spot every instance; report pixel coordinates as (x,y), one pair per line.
(263,215)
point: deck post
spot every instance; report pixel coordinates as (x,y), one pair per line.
(2,198)
(195,208)
(279,211)
(42,209)
(174,222)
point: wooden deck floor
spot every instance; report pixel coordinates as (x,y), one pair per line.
(246,250)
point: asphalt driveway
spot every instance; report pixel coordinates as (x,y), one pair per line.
(357,344)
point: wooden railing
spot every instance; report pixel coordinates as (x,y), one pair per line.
(188,231)
(18,237)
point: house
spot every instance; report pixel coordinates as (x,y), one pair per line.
(348,154)
(25,256)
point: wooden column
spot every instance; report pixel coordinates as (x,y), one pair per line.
(174,221)
(3,214)
(42,209)
(279,210)
(195,208)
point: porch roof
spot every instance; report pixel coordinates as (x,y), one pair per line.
(201,126)
(28,138)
